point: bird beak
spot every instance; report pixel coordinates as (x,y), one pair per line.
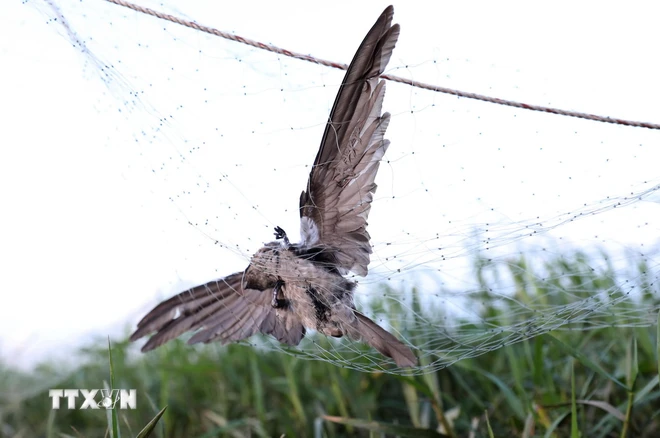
(244,283)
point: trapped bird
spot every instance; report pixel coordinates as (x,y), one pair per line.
(288,288)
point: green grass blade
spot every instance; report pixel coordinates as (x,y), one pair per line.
(657,345)
(551,432)
(488,426)
(258,387)
(151,426)
(293,393)
(507,393)
(112,413)
(650,386)
(386,428)
(412,402)
(574,428)
(632,371)
(584,360)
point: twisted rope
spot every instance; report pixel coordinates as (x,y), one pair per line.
(436,88)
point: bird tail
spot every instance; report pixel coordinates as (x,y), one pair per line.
(375,336)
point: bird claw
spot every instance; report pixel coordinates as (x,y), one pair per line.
(276,302)
(281,234)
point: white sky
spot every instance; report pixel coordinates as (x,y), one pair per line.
(89,238)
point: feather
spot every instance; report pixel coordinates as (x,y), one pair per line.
(289,287)
(372,334)
(219,310)
(341,183)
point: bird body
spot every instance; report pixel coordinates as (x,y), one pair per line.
(290,287)
(321,298)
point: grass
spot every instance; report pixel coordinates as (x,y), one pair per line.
(582,382)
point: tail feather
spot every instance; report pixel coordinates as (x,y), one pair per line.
(386,343)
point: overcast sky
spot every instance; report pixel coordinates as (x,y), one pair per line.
(108,154)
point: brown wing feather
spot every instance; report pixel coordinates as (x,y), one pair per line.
(219,310)
(336,204)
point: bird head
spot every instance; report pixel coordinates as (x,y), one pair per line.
(262,273)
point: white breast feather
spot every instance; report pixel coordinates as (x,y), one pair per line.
(309,232)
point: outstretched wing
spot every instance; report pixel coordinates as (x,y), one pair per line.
(336,204)
(219,310)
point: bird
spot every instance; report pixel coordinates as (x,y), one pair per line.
(287,287)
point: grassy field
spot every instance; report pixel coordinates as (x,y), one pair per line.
(601,382)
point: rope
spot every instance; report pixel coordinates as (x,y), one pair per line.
(436,88)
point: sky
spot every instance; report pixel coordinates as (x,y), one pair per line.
(159,158)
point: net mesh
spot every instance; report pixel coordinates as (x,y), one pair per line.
(490,225)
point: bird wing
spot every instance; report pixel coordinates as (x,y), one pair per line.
(336,204)
(219,310)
